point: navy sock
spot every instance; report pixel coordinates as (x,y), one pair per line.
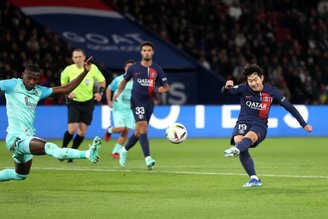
(131,142)
(247,162)
(244,144)
(77,141)
(67,138)
(144,144)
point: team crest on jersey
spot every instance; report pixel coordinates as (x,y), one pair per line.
(87,81)
(152,73)
(266,99)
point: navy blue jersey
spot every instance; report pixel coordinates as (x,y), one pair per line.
(145,80)
(255,106)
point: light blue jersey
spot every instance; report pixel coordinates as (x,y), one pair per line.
(123,116)
(20,105)
(124,100)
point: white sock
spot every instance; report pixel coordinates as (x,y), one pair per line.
(254,177)
(87,154)
(147,158)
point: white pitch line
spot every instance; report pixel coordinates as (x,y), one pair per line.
(175,172)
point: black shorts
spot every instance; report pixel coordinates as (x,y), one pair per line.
(142,111)
(80,111)
(242,128)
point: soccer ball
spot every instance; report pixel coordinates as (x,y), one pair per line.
(176,133)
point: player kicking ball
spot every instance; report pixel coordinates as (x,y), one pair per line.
(22,97)
(251,127)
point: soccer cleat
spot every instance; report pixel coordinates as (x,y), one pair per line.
(116,151)
(253,183)
(94,150)
(107,134)
(116,155)
(232,152)
(150,163)
(70,161)
(123,155)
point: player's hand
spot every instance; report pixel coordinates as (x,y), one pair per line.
(97,97)
(229,84)
(110,104)
(71,95)
(163,89)
(87,64)
(116,96)
(308,128)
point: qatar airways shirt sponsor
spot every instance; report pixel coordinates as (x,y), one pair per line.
(146,82)
(257,105)
(264,104)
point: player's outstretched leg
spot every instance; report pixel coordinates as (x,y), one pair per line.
(67,153)
(94,150)
(10,174)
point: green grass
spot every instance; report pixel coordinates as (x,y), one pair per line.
(190,180)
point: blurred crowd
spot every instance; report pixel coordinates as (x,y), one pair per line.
(23,42)
(287,38)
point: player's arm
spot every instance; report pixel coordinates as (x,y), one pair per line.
(291,108)
(64,79)
(69,87)
(230,89)
(109,97)
(163,89)
(98,95)
(228,85)
(120,89)
(7,85)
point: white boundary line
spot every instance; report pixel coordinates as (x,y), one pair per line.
(172,172)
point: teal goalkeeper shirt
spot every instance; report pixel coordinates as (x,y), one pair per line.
(21,104)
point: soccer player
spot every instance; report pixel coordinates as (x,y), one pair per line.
(22,97)
(81,99)
(122,114)
(256,99)
(146,76)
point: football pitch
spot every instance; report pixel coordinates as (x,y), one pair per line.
(190,180)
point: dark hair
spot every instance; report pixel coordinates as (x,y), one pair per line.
(32,69)
(79,50)
(252,68)
(147,43)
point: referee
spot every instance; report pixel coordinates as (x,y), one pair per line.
(81,100)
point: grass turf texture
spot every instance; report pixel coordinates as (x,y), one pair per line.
(190,180)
